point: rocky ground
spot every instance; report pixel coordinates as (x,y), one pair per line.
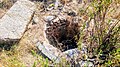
(27,52)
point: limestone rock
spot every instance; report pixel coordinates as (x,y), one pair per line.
(49,18)
(13,24)
(50,52)
(72,53)
(86,64)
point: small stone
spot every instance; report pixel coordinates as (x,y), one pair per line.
(72,53)
(50,8)
(86,63)
(49,18)
(35,20)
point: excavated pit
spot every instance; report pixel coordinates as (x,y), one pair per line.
(61,34)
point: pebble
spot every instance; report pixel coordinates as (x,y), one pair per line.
(49,18)
(86,63)
(72,53)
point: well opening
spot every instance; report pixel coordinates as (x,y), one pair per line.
(62,34)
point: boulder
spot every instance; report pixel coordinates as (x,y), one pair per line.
(14,23)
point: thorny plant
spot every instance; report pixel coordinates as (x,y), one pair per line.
(103,37)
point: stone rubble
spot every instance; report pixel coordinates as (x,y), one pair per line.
(54,53)
(54,17)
